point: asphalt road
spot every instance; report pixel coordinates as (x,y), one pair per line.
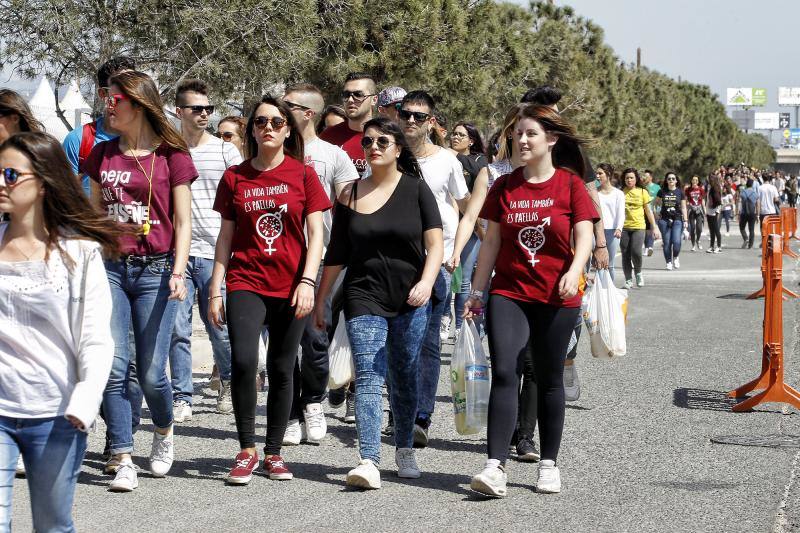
(637,453)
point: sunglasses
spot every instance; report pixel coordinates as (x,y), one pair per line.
(276,122)
(356,95)
(458,134)
(383,142)
(226,135)
(11,176)
(5,112)
(418,115)
(672,179)
(113,99)
(198,109)
(292,105)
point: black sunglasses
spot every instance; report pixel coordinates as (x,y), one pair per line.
(198,109)
(277,122)
(419,116)
(11,175)
(357,95)
(225,135)
(296,106)
(383,141)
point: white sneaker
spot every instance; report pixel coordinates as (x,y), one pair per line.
(491,481)
(676,263)
(161,455)
(699,246)
(316,427)
(628,283)
(181,411)
(572,385)
(294,433)
(20,469)
(126,479)
(350,408)
(717,250)
(649,252)
(694,247)
(639,280)
(444,328)
(549,478)
(224,400)
(406,463)
(669,266)
(365,475)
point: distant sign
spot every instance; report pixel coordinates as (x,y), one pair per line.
(784,120)
(789,96)
(794,133)
(744,118)
(767,121)
(746,96)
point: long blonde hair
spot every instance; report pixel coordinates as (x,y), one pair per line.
(505,140)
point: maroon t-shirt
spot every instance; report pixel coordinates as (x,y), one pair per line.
(695,195)
(536,221)
(348,140)
(269,207)
(125,191)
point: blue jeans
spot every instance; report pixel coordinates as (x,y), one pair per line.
(379,344)
(430,358)
(53,451)
(140,297)
(671,234)
(612,243)
(198,280)
(469,256)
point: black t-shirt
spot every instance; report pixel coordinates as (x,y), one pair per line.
(384,251)
(472,165)
(671,204)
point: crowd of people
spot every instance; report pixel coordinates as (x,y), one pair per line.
(276,226)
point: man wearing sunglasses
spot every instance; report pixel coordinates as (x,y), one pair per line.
(211,157)
(358,98)
(80,141)
(335,170)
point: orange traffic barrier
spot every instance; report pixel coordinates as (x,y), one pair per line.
(771,224)
(788,223)
(771,378)
(793,219)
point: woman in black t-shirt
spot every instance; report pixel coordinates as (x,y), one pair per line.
(387,232)
(673,214)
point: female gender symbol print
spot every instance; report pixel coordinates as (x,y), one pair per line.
(270,226)
(532,239)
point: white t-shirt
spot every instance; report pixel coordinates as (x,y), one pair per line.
(767,194)
(499,168)
(38,367)
(332,165)
(613,207)
(211,159)
(445,176)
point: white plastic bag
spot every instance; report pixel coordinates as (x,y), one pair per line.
(469,381)
(605,308)
(342,370)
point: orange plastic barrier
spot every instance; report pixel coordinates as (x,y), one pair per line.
(771,378)
(771,224)
(793,220)
(788,227)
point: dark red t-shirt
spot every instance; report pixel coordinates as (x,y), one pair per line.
(270,208)
(348,140)
(695,195)
(536,221)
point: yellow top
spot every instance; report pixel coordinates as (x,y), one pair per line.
(635,201)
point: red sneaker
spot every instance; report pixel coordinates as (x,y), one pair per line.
(276,468)
(242,471)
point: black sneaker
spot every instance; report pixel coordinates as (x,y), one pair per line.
(526,450)
(336,397)
(421,426)
(389,429)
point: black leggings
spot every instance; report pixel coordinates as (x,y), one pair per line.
(247,313)
(631,246)
(695,225)
(512,325)
(713,230)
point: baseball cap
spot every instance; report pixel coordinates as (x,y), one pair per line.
(390,95)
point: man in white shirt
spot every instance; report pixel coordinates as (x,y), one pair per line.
(444,175)
(335,169)
(767,200)
(211,157)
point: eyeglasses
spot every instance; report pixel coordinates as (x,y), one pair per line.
(113,99)
(198,109)
(459,135)
(418,115)
(276,122)
(383,142)
(356,95)
(226,135)
(11,176)
(293,105)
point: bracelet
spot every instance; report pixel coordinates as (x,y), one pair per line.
(598,246)
(309,280)
(176,275)
(476,294)
(306,282)
(212,297)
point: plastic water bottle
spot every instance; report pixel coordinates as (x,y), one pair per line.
(477,382)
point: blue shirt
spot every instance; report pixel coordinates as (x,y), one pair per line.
(72,146)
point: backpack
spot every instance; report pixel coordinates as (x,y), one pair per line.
(749,198)
(87,141)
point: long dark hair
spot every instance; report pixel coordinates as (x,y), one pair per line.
(665,187)
(13,104)
(567,151)
(142,90)
(68,213)
(609,171)
(474,136)
(293,144)
(639,181)
(406,163)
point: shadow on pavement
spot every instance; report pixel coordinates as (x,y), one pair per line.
(707,400)
(734,296)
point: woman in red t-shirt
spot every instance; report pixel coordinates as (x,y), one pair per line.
(534,214)
(265,203)
(695,198)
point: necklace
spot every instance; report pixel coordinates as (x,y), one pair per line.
(27,257)
(146,223)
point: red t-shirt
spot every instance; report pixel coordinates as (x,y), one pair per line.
(125,191)
(536,221)
(348,140)
(695,195)
(270,208)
